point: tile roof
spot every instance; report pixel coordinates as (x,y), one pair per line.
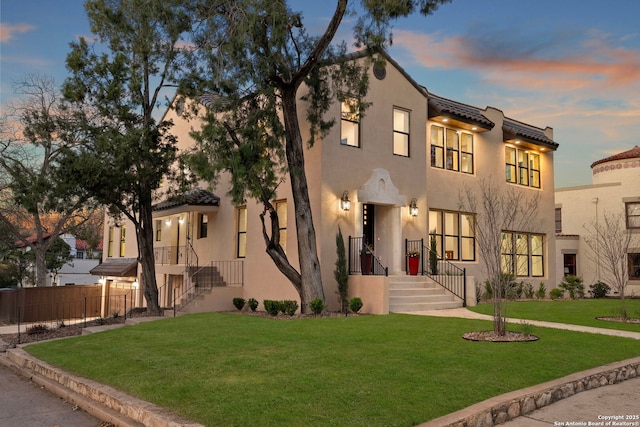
(634,153)
(195,197)
(530,134)
(466,113)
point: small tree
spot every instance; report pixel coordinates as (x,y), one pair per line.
(57,256)
(341,273)
(498,210)
(433,255)
(609,241)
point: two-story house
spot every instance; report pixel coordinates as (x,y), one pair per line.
(389,178)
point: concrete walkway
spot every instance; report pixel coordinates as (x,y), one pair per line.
(559,402)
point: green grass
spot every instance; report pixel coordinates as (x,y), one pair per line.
(395,370)
(576,312)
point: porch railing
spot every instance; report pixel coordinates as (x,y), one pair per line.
(442,271)
(363,260)
(170,255)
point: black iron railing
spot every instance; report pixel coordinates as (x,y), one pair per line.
(440,270)
(363,260)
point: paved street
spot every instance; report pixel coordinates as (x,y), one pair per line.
(25,404)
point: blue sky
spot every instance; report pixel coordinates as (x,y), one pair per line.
(573,65)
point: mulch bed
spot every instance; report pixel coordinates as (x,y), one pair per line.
(619,319)
(491,336)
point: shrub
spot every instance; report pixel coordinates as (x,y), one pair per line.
(341,273)
(488,290)
(317,305)
(289,307)
(556,293)
(355,304)
(272,307)
(528,291)
(599,290)
(573,285)
(542,291)
(239,303)
(37,329)
(433,255)
(253,304)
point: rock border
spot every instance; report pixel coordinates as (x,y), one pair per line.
(503,408)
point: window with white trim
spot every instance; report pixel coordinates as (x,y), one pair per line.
(632,213)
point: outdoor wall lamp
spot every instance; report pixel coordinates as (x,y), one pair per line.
(167,222)
(413,207)
(180,220)
(345,203)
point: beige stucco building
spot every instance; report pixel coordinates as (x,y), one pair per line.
(615,190)
(401,168)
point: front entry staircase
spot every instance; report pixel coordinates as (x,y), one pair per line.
(419,293)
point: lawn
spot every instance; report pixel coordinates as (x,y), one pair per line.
(576,312)
(395,370)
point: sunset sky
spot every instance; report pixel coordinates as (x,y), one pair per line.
(573,65)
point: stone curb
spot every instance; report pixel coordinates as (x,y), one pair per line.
(100,400)
(500,409)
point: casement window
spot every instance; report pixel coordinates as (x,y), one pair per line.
(350,123)
(634,266)
(632,213)
(522,254)
(241,232)
(451,149)
(158,230)
(110,242)
(281,210)
(558,220)
(453,232)
(400,132)
(522,167)
(203,223)
(123,232)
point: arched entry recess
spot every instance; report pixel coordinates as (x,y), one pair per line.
(384,215)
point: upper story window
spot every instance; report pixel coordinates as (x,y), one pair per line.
(451,150)
(632,211)
(281,210)
(123,232)
(203,222)
(522,254)
(558,220)
(241,232)
(453,232)
(522,167)
(350,123)
(400,132)
(110,242)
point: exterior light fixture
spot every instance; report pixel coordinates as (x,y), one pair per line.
(445,120)
(345,203)
(474,128)
(135,284)
(167,221)
(180,220)
(413,207)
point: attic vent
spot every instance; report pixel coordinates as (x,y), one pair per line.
(379,71)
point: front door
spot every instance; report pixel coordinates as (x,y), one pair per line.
(368,223)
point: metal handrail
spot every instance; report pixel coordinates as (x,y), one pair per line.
(362,259)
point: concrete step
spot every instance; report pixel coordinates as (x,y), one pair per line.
(404,292)
(409,307)
(413,285)
(393,299)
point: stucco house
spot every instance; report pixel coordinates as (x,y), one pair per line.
(390,178)
(615,190)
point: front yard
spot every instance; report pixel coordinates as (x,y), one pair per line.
(225,369)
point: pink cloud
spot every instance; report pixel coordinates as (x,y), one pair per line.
(9,31)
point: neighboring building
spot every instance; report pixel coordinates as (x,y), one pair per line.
(615,190)
(400,168)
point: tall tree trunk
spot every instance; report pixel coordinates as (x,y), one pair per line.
(144,236)
(40,278)
(311,287)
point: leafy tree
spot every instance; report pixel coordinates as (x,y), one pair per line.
(497,210)
(254,61)
(609,241)
(127,152)
(57,256)
(35,208)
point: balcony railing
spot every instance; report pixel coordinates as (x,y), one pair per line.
(170,255)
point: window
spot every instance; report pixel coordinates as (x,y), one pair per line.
(281,210)
(110,244)
(454,235)
(123,231)
(634,266)
(242,232)
(203,222)
(459,149)
(400,132)
(633,214)
(522,167)
(350,123)
(558,220)
(522,254)
(158,230)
